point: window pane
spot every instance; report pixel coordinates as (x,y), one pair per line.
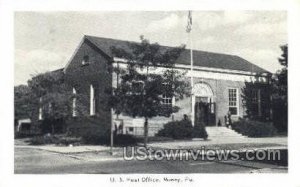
(232,101)
(167,96)
(233,110)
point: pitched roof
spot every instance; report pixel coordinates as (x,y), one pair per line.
(201,58)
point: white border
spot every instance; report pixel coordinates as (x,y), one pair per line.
(7,7)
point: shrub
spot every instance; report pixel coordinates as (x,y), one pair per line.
(96,139)
(124,140)
(104,139)
(177,129)
(45,139)
(254,128)
(69,140)
(53,126)
(54,139)
(200,132)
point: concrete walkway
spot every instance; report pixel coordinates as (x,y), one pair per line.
(24,143)
(70,149)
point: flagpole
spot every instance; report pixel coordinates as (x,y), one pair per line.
(189,31)
(192,78)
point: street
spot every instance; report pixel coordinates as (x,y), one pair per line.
(36,161)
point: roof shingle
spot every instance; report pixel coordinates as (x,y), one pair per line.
(201,58)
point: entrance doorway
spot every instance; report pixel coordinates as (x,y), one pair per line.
(203,104)
(205,111)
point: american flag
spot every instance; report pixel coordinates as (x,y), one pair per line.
(189,24)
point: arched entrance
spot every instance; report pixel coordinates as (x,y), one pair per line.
(203,104)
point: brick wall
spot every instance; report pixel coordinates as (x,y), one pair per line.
(220,90)
(79,76)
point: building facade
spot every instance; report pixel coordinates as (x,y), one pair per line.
(218,83)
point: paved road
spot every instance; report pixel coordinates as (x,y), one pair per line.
(35,161)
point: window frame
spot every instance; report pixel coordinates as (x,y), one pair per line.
(74,102)
(170,99)
(85,60)
(41,112)
(92,101)
(167,101)
(256,100)
(236,101)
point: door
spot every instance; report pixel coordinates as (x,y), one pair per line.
(205,111)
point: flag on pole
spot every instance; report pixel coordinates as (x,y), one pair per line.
(190,22)
(188,30)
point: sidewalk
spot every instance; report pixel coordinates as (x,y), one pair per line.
(71,149)
(24,143)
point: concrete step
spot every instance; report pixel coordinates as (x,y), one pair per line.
(213,132)
(223,132)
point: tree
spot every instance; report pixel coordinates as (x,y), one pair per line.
(149,74)
(256,100)
(273,96)
(49,92)
(22,102)
(280,92)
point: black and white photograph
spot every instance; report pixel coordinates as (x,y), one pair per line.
(154,92)
(149,96)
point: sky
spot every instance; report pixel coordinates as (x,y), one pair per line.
(45,41)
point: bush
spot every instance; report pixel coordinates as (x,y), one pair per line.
(96,139)
(200,132)
(54,139)
(53,126)
(69,140)
(125,140)
(177,130)
(254,128)
(104,139)
(45,139)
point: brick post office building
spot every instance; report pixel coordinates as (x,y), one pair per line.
(218,82)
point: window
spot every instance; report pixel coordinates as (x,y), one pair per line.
(74,112)
(85,60)
(167,98)
(92,101)
(233,101)
(256,102)
(254,94)
(40,113)
(41,110)
(50,106)
(212,106)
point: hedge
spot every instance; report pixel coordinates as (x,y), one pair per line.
(177,130)
(254,128)
(119,139)
(182,129)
